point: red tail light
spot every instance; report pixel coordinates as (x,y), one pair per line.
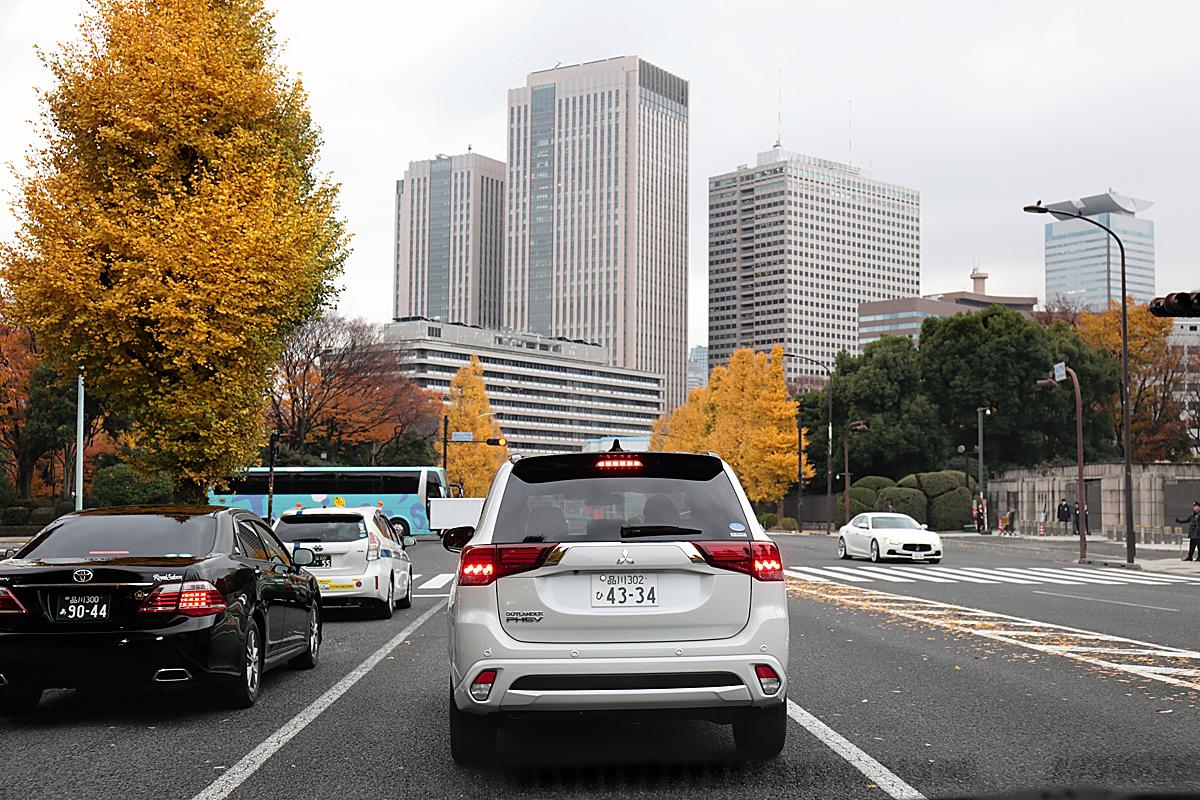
(482,564)
(9,604)
(192,599)
(759,559)
(619,462)
(372,546)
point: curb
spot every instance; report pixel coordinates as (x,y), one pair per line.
(1099,562)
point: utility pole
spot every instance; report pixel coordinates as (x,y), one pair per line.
(272,449)
(981,411)
(445,440)
(79,443)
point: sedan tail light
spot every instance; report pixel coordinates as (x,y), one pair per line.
(192,599)
(9,604)
(480,565)
(758,559)
(481,687)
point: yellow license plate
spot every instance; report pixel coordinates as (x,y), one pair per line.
(336,587)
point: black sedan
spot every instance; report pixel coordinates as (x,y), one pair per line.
(154,595)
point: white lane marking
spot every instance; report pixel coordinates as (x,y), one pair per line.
(857,572)
(1097,579)
(877,773)
(876,572)
(1161,576)
(959,574)
(992,574)
(1036,578)
(437,581)
(1098,600)
(416,575)
(803,574)
(829,574)
(916,573)
(1127,576)
(445,594)
(237,775)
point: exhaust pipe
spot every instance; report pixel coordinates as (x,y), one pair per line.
(175,675)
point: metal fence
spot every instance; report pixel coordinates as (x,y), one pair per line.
(1141,535)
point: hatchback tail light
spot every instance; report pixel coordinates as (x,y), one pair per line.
(9,604)
(192,599)
(768,678)
(481,687)
(758,559)
(372,546)
(483,564)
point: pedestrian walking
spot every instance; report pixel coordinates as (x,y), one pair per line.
(1076,517)
(1193,523)
(1064,514)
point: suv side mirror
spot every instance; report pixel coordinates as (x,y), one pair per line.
(302,556)
(408,541)
(455,539)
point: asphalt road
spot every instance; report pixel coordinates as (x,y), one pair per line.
(914,681)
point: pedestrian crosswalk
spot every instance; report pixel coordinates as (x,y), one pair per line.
(431,584)
(1027,576)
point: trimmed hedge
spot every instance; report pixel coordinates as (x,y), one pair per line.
(873,482)
(906,501)
(63,507)
(788,524)
(856,507)
(908,482)
(936,484)
(965,480)
(14,515)
(950,511)
(42,516)
(862,495)
(768,520)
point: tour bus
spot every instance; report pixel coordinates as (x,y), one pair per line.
(402,492)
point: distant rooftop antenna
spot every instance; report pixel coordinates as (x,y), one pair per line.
(468,148)
(779,107)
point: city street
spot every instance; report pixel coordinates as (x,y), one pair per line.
(899,685)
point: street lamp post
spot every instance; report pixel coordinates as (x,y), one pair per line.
(1080,500)
(981,411)
(1130,547)
(828,447)
(858,426)
(79,442)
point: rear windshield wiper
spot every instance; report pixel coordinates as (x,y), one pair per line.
(634,531)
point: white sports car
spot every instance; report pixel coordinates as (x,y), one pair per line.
(890,535)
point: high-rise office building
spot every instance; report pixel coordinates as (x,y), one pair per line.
(449,239)
(697,367)
(1083,263)
(795,244)
(597,212)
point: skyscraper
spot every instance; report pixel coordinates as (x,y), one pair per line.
(449,239)
(795,244)
(1083,263)
(597,212)
(697,367)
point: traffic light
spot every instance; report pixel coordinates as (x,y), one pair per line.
(498,442)
(1176,304)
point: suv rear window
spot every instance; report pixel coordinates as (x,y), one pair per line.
(321,528)
(119,536)
(650,497)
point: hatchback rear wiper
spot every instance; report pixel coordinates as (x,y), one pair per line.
(634,531)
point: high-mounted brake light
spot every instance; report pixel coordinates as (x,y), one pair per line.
(619,462)
(768,678)
(482,564)
(9,604)
(481,687)
(192,599)
(759,559)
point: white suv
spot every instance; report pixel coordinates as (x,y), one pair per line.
(628,582)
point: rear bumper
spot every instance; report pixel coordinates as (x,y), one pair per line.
(338,588)
(205,648)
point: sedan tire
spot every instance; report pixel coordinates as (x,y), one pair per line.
(760,733)
(19,700)
(309,658)
(472,738)
(242,691)
(383,608)
(406,601)
(875,557)
(843,553)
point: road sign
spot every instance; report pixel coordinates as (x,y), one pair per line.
(462,436)
(1060,371)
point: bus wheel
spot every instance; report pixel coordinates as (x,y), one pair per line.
(401,525)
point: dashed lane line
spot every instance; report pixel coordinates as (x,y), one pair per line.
(1101,600)
(878,774)
(250,763)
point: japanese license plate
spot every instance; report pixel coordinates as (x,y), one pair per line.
(82,607)
(625,589)
(320,560)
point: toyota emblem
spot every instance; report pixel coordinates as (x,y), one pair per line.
(82,575)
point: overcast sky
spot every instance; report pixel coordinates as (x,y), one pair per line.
(980,107)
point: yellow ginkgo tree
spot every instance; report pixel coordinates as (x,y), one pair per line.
(473,463)
(172,224)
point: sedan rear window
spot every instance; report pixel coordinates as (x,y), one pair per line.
(120,536)
(321,528)
(643,499)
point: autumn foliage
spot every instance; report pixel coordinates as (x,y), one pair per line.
(173,229)
(746,416)
(473,464)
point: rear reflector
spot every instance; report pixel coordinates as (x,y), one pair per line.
(481,687)
(192,599)
(482,564)
(9,604)
(759,559)
(768,678)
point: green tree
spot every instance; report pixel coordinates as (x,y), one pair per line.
(173,227)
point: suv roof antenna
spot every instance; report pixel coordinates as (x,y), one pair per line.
(616,447)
